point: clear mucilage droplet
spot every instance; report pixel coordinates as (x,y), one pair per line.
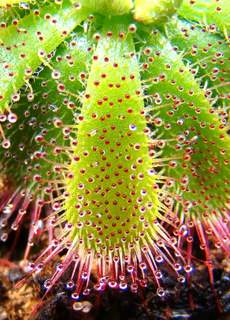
(132,127)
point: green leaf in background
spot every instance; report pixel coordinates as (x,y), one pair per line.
(24,46)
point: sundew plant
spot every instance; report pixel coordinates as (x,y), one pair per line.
(114,137)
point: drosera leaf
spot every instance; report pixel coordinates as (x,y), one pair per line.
(189,125)
(208,13)
(109,99)
(24,46)
(194,143)
(67,67)
(109,208)
(63,80)
(207,55)
(118,188)
(40,126)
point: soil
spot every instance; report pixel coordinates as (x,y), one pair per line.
(198,302)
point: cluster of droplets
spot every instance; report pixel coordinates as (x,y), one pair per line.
(9,119)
